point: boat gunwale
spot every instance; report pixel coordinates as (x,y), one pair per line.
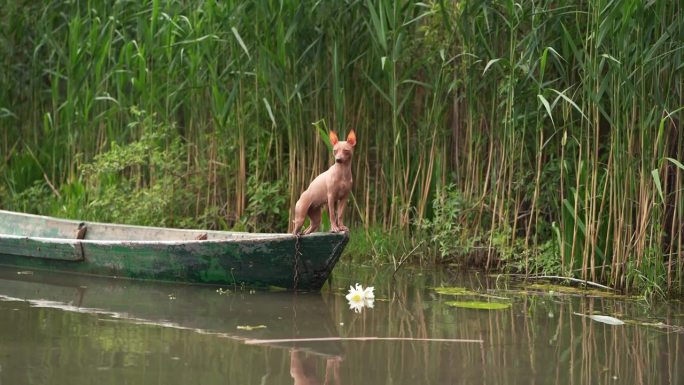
(234,236)
(268,237)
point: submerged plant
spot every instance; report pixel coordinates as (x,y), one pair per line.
(479,305)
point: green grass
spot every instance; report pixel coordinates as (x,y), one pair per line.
(553,120)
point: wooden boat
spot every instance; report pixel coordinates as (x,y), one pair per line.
(163,254)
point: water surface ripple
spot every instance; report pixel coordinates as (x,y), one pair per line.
(69,329)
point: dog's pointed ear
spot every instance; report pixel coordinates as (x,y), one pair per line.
(333,138)
(351,138)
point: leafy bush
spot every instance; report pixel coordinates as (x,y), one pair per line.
(266,208)
(452,234)
(35,199)
(445,231)
(141,182)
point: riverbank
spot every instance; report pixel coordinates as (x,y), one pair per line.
(539,136)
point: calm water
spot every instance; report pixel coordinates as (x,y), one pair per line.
(65,329)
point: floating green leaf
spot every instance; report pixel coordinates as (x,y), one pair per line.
(479,305)
(463,291)
(454,291)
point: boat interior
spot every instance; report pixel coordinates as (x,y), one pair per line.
(28,225)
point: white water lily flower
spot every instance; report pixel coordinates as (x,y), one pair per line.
(368,293)
(355,293)
(359,297)
(356,306)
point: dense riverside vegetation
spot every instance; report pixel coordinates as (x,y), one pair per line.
(539,136)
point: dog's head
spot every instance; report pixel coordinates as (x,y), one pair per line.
(343,150)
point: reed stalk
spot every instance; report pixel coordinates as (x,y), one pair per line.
(554,119)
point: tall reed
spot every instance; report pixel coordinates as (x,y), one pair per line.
(585,110)
(559,122)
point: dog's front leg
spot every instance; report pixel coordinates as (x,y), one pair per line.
(331,214)
(340,211)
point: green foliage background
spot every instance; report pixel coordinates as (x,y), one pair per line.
(537,135)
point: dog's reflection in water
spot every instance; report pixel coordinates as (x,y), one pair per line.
(305,371)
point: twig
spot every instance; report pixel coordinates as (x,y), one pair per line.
(52,187)
(584,281)
(325,339)
(404,258)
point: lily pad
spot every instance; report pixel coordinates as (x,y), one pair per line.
(479,305)
(250,327)
(463,291)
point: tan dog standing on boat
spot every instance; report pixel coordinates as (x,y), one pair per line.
(331,187)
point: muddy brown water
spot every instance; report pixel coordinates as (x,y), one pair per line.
(68,329)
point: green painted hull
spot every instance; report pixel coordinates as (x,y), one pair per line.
(159,254)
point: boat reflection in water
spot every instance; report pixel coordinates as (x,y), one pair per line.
(211,315)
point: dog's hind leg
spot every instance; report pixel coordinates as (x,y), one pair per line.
(300,216)
(315,217)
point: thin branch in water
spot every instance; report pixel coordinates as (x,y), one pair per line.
(584,281)
(404,258)
(327,339)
